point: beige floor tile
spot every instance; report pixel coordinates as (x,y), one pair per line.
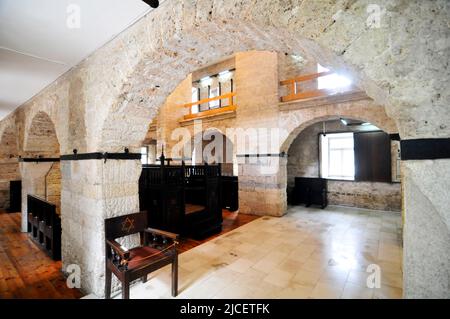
(358,278)
(326,291)
(295,291)
(309,253)
(307,278)
(291,266)
(241,265)
(352,291)
(279,278)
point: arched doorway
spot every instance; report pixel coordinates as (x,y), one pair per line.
(357,160)
(213,147)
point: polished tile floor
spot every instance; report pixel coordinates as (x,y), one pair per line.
(309,253)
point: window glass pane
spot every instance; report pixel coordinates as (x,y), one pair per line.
(339,143)
(348,161)
(144,158)
(194,108)
(214,92)
(335,163)
(337,156)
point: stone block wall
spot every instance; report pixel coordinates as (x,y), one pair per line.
(9,165)
(53,186)
(9,171)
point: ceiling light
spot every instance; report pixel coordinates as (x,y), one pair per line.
(152,3)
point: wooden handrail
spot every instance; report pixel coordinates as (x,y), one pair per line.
(294,92)
(220,97)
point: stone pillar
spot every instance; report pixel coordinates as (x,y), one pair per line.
(33,183)
(262,186)
(262,178)
(93,190)
(426,233)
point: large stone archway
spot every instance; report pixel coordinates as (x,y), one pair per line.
(381,59)
(193,35)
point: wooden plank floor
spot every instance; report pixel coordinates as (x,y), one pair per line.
(27,272)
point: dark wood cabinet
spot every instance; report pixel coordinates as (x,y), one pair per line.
(15,196)
(310,191)
(182,199)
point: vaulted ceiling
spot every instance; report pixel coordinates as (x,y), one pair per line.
(40,40)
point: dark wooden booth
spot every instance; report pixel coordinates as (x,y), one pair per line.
(183,199)
(15,196)
(44,226)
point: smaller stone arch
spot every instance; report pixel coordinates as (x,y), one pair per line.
(212,145)
(41,178)
(304,160)
(40,137)
(365,110)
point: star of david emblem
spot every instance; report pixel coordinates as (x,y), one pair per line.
(128,224)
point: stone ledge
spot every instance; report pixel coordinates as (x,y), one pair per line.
(324,100)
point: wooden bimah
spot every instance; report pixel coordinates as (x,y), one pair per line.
(185,199)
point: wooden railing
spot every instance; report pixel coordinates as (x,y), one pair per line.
(230,107)
(294,89)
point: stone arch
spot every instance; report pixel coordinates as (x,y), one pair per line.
(205,141)
(139,100)
(302,161)
(295,122)
(41,178)
(40,137)
(9,153)
(200,33)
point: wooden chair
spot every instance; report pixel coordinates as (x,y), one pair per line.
(131,264)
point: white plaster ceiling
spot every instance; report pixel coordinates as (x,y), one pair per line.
(37,46)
